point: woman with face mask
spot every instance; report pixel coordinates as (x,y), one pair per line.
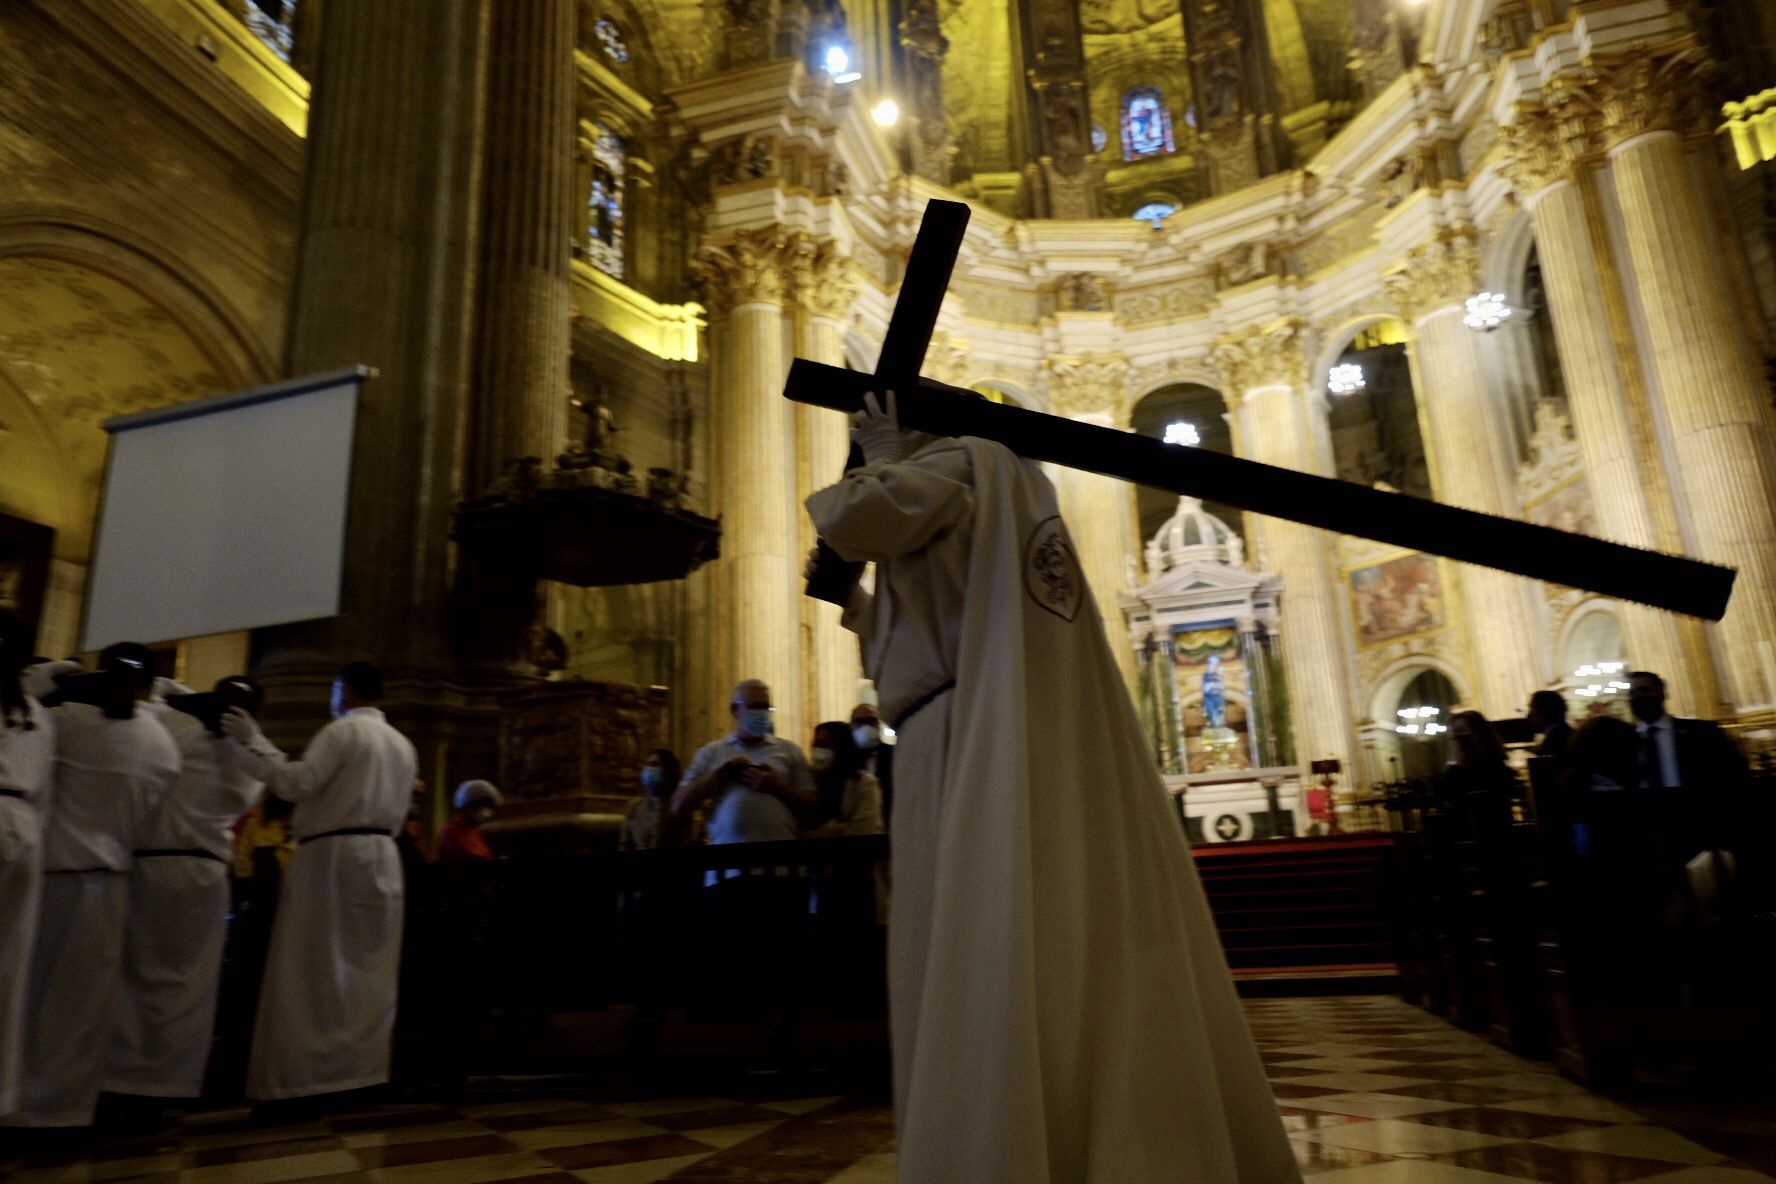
(850,798)
(461,839)
(647,823)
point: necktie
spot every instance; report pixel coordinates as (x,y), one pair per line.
(1653,765)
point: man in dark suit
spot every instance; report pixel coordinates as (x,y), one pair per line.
(1689,754)
(878,755)
(1547,716)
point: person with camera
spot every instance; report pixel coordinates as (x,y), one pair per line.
(759,786)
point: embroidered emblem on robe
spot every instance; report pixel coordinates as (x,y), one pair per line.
(1051,570)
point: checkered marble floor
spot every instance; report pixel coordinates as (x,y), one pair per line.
(1371,1090)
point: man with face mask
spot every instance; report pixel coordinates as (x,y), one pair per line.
(327,1011)
(1060,1006)
(878,755)
(760,785)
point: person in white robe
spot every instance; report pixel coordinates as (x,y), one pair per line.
(27,765)
(113,766)
(178,910)
(327,1011)
(1061,1008)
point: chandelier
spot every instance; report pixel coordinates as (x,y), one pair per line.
(1182,432)
(1345,378)
(1419,721)
(1486,311)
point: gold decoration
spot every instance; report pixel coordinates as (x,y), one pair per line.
(1271,357)
(825,283)
(1093,384)
(1654,90)
(748,266)
(1439,274)
(1533,157)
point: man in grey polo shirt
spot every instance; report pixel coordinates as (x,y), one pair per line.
(760,786)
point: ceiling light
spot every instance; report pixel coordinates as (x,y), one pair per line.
(1182,432)
(886,113)
(837,60)
(1486,311)
(1345,378)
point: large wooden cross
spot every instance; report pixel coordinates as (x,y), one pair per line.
(1540,552)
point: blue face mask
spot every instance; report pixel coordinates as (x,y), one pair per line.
(756,721)
(650,778)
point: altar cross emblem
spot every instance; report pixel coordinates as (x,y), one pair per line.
(1664,581)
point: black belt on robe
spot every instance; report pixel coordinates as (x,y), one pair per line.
(172,852)
(347,830)
(921,703)
(6,791)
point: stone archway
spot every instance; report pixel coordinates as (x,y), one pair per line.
(79,344)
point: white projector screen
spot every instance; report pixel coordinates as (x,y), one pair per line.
(225,513)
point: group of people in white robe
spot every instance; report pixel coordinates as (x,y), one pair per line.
(117,809)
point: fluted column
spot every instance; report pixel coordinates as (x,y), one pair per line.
(744,279)
(1468,469)
(523,336)
(825,290)
(1711,386)
(385,276)
(1603,388)
(1090,390)
(1266,386)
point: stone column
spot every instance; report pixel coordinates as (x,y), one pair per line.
(1604,391)
(385,275)
(1266,380)
(923,47)
(524,334)
(1090,390)
(826,290)
(1711,387)
(1063,182)
(757,587)
(1468,468)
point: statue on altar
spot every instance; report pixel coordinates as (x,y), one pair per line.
(1214,692)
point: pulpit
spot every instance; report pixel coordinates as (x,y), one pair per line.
(570,758)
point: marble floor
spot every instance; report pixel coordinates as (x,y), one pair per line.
(1371,1090)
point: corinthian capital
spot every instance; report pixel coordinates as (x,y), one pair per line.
(1092,385)
(1275,356)
(1533,159)
(824,282)
(1652,90)
(1440,274)
(749,266)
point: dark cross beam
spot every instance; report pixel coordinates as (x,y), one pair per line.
(1540,552)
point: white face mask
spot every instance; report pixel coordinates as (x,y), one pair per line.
(867,735)
(821,759)
(756,721)
(650,778)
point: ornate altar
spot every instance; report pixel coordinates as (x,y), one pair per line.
(1211,694)
(569,757)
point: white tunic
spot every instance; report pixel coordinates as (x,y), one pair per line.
(178,919)
(27,764)
(1061,1007)
(110,777)
(327,1010)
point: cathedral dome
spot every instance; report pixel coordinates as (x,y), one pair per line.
(1193,535)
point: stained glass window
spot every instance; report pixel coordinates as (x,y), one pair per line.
(604,205)
(1099,137)
(1146,124)
(610,39)
(1155,212)
(273,22)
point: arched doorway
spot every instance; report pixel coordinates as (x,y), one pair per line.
(81,345)
(1373,413)
(1593,672)
(1422,724)
(1190,414)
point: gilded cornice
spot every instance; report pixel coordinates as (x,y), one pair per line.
(1090,385)
(1275,356)
(750,266)
(1439,274)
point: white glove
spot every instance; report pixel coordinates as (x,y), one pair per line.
(240,727)
(876,430)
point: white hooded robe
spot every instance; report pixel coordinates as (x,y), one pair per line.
(1061,1008)
(27,763)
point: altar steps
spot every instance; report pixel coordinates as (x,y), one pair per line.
(1300,916)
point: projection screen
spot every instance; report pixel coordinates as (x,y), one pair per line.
(224,513)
